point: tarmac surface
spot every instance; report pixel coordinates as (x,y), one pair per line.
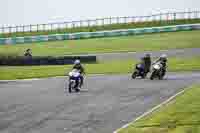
(105,103)
(185,53)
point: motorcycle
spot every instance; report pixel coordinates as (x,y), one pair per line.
(74,80)
(157,71)
(139,71)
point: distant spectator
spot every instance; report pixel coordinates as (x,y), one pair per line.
(28,53)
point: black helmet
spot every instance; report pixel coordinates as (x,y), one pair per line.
(28,49)
(147,55)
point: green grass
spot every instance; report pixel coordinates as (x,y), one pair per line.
(150,42)
(181,115)
(113,67)
(105,27)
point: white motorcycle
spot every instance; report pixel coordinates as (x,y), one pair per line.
(74,80)
(157,71)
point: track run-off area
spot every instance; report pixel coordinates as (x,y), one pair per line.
(105,103)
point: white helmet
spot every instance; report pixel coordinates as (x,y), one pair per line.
(163,56)
(77,62)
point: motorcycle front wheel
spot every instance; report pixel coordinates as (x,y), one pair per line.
(152,75)
(70,87)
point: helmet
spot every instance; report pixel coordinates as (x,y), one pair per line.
(163,56)
(28,49)
(147,55)
(77,62)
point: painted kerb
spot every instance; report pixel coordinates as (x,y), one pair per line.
(85,35)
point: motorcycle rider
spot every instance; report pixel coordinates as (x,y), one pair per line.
(163,60)
(147,62)
(78,66)
(28,53)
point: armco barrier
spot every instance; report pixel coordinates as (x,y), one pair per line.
(84,35)
(23,61)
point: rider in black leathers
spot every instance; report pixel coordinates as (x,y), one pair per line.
(147,63)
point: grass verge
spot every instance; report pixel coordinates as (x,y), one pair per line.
(113,67)
(181,115)
(150,42)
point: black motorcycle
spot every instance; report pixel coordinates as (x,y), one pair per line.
(139,71)
(157,71)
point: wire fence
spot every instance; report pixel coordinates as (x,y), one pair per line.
(100,22)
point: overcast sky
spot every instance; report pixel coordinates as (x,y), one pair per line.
(17,12)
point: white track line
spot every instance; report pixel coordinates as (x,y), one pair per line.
(151,110)
(33,79)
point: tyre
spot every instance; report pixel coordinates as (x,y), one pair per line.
(160,77)
(144,76)
(134,75)
(70,87)
(153,75)
(77,90)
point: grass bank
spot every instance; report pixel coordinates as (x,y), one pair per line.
(113,67)
(182,115)
(150,42)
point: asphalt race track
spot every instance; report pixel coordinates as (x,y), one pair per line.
(181,53)
(106,103)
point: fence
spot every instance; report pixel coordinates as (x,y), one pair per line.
(84,35)
(100,22)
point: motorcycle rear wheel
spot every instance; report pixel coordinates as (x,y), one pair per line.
(134,75)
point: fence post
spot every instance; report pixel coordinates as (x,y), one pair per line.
(110,20)
(51,27)
(124,20)
(102,21)
(117,20)
(96,22)
(30,28)
(73,24)
(190,15)
(59,27)
(80,23)
(43,27)
(37,28)
(195,15)
(10,30)
(160,17)
(133,19)
(88,21)
(66,25)
(174,16)
(16,28)
(3,30)
(23,29)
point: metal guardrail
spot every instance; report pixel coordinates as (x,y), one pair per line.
(85,35)
(100,22)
